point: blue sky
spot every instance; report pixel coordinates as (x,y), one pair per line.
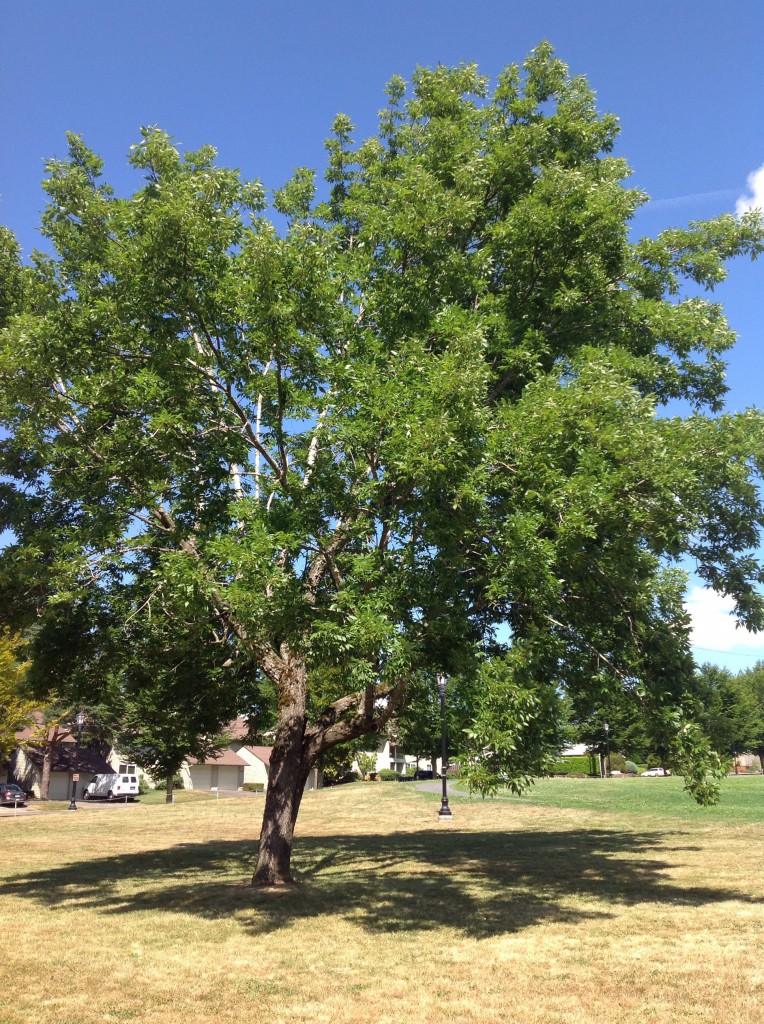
(262,82)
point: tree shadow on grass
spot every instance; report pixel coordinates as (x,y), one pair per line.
(479,883)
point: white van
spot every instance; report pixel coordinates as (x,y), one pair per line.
(112,787)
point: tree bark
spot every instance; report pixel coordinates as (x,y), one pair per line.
(287,775)
(169,799)
(297,747)
(47,761)
(282,803)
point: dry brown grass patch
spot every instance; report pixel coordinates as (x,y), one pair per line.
(517,912)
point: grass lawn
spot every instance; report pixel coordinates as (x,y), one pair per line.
(588,900)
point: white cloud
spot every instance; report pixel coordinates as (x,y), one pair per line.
(714,627)
(755,198)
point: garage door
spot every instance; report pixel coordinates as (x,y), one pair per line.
(60,786)
(228,776)
(201,776)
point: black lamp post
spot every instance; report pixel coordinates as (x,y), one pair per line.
(80,720)
(607,747)
(445,811)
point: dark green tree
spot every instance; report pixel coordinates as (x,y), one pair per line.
(417,724)
(627,722)
(720,710)
(749,690)
(423,411)
(171,692)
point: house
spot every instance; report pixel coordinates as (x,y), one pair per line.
(27,763)
(389,755)
(224,772)
(747,763)
(239,763)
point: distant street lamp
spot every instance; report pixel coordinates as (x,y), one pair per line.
(607,746)
(80,720)
(445,810)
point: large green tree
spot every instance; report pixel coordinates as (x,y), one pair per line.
(417,417)
(749,689)
(628,725)
(720,710)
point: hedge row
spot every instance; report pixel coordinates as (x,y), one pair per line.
(578,765)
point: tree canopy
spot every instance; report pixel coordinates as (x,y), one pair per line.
(406,420)
(732,709)
(16,707)
(749,686)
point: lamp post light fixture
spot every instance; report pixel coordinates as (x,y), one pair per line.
(607,748)
(80,721)
(444,814)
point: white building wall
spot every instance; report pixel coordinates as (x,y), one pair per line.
(390,756)
(233,777)
(256,770)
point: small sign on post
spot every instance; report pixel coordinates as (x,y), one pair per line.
(76,777)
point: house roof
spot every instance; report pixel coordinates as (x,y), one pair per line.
(68,759)
(238,728)
(35,729)
(264,753)
(225,757)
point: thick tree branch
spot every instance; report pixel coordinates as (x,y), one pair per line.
(372,718)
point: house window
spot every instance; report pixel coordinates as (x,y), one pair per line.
(397,762)
(128,769)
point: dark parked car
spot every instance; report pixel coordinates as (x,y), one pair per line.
(424,773)
(12,795)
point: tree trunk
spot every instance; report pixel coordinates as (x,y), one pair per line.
(761,760)
(282,803)
(296,749)
(47,761)
(287,775)
(169,799)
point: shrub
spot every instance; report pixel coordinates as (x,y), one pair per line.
(388,775)
(654,761)
(367,762)
(143,786)
(254,787)
(631,768)
(177,782)
(617,763)
(339,780)
(578,765)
